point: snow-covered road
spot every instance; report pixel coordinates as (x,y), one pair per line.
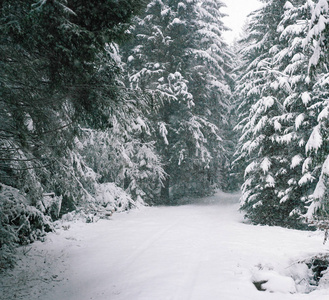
(193,252)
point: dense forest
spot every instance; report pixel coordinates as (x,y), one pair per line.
(111,105)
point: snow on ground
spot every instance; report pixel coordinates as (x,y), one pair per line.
(191,252)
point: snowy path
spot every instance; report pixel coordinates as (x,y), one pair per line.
(193,252)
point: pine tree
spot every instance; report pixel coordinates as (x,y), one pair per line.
(317,143)
(296,121)
(306,109)
(169,62)
(209,69)
(57,74)
(285,132)
(53,64)
(266,123)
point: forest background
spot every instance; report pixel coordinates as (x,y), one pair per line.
(118,104)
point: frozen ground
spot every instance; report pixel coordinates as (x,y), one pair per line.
(193,252)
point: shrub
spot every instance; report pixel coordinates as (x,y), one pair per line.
(20,224)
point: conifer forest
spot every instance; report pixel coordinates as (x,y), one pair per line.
(110,105)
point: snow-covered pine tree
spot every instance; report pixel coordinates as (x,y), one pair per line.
(265,142)
(250,49)
(317,145)
(303,61)
(297,129)
(208,69)
(167,59)
(119,155)
(296,121)
(51,56)
(52,61)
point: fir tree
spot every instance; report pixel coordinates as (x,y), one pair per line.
(169,62)
(265,122)
(317,143)
(285,131)
(58,71)
(54,62)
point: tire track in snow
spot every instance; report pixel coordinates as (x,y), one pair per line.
(190,279)
(194,252)
(147,245)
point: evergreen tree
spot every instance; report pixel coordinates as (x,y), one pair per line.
(266,123)
(53,64)
(283,118)
(299,117)
(209,69)
(305,106)
(58,73)
(317,143)
(169,62)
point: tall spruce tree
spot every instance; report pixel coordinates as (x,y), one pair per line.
(265,122)
(169,62)
(296,121)
(210,83)
(57,74)
(283,119)
(53,58)
(317,144)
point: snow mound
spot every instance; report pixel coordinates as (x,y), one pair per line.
(109,194)
(273,282)
(324,280)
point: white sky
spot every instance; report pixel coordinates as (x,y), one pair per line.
(237,11)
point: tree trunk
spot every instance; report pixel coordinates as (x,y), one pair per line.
(165,196)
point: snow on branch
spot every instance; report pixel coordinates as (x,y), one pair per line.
(315,141)
(317,197)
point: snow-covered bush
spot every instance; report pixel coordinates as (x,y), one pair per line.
(110,195)
(121,159)
(108,198)
(20,224)
(50,205)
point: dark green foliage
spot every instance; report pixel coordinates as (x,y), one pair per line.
(20,224)
(187,80)
(283,114)
(55,72)
(270,212)
(58,72)
(268,142)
